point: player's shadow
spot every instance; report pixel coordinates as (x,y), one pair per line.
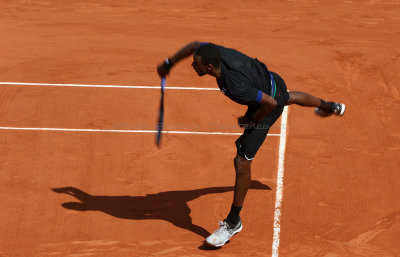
(171,206)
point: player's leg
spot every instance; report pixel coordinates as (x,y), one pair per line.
(322,108)
(304,99)
(247,146)
(233,224)
(242,181)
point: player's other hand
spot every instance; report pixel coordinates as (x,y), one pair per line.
(243,122)
(162,70)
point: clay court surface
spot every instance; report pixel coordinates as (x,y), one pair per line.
(96,193)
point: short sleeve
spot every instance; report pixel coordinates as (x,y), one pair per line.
(242,92)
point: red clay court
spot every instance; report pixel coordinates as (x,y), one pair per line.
(79,94)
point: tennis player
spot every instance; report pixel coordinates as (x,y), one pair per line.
(246,81)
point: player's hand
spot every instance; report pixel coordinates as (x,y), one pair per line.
(162,70)
(243,122)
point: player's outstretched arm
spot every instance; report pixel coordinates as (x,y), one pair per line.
(164,68)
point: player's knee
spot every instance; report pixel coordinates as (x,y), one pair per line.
(241,164)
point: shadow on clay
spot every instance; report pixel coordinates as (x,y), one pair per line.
(171,206)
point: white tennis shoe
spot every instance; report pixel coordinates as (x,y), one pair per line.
(339,109)
(223,234)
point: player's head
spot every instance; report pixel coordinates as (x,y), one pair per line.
(206,58)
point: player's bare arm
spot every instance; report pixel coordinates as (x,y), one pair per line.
(267,104)
(164,68)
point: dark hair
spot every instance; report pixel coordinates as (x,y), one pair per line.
(209,54)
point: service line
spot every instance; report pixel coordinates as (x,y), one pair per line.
(104,86)
(279,184)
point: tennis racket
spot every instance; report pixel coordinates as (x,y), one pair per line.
(160,123)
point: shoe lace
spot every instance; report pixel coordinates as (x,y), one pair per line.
(223,228)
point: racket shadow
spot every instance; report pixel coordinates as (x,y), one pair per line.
(171,206)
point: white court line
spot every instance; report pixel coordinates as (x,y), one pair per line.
(128,131)
(104,86)
(279,185)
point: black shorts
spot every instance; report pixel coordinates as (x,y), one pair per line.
(248,144)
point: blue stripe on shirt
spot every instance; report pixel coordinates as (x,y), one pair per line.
(259,96)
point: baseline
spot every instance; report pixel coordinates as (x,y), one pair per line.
(128,131)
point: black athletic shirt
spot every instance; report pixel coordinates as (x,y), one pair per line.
(243,78)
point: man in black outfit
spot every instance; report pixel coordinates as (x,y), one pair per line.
(245,81)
